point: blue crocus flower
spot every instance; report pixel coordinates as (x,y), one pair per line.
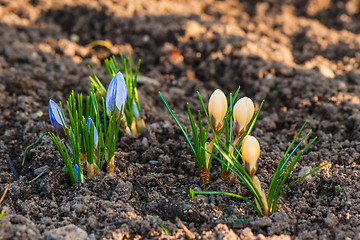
(116,93)
(96,136)
(76,171)
(56,117)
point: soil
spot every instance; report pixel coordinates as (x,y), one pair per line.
(302,57)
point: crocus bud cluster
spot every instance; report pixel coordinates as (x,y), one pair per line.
(243,112)
(92,137)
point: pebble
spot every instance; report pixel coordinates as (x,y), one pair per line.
(145,38)
(74,37)
(357,195)
(153,162)
(304,171)
(78,207)
(186,206)
(331,220)
(37,114)
(145,141)
(202,198)
(39,170)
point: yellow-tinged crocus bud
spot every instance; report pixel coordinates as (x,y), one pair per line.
(257,184)
(209,147)
(217,109)
(250,152)
(243,112)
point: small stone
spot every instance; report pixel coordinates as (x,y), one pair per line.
(53,205)
(39,170)
(145,141)
(74,37)
(37,114)
(123,191)
(70,232)
(186,206)
(145,38)
(153,162)
(331,220)
(202,198)
(92,221)
(78,207)
(46,220)
(304,171)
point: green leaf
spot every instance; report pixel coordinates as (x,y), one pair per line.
(32,145)
(178,123)
(231,195)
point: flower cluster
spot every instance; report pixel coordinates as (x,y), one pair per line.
(92,136)
(231,126)
(220,116)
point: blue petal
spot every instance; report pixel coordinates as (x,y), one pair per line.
(55,118)
(76,171)
(96,136)
(121,93)
(135,109)
(111,96)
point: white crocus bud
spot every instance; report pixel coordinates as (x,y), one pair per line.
(250,152)
(217,109)
(243,112)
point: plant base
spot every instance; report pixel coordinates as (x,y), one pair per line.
(225,175)
(266,213)
(92,169)
(83,157)
(204,174)
(137,126)
(140,125)
(110,167)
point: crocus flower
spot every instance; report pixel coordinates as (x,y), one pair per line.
(96,136)
(76,171)
(250,152)
(217,109)
(56,117)
(116,93)
(243,112)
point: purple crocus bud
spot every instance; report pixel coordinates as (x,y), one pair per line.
(56,117)
(96,136)
(76,171)
(116,93)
